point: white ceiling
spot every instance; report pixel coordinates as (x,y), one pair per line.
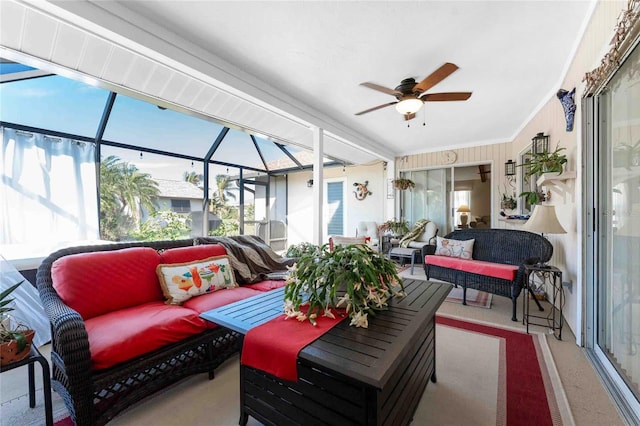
(306,59)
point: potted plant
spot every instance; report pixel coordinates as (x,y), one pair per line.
(352,277)
(15,340)
(297,250)
(508,202)
(534,197)
(403,183)
(396,227)
(545,162)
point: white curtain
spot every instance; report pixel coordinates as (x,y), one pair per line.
(48,189)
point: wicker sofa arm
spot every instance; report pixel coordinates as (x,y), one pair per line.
(428,249)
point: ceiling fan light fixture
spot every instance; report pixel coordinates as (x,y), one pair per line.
(409,106)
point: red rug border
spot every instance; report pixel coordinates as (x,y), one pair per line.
(526,405)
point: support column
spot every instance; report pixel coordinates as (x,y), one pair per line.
(318,184)
(390,203)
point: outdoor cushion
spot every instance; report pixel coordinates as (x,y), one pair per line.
(103,281)
(454,248)
(128,333)
(267,285)
(480,267)
(188,254)
(444,261)
(216,299)
(182,281)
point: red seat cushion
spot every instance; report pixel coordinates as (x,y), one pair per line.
(444,261)
(266,285)
(128,333)
(189,254)
(209,301)
(104,281)
(497,270)
(480,267)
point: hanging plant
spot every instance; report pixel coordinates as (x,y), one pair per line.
(544,162)
(403,184)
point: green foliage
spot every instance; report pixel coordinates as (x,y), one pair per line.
(544,162)
(533,197)
(17,333)
(5,301)
(397,227)
(123,189)
(164,225)
(298,250)
(192,177)
(353,276)
(403,183)
(227,228)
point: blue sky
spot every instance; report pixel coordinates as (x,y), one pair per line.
(65,105)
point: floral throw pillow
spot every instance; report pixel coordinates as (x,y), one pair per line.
(182,281)
(454,248)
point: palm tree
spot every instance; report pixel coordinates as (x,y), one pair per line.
(123,189)
(224,185)
(192,177)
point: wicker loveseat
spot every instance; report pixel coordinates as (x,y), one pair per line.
(114,340)
(497,264)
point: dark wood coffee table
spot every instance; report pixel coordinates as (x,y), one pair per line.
(349,376)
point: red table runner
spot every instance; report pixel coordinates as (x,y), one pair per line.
(273,347)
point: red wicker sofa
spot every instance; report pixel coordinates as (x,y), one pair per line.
(114,339)
(496,265)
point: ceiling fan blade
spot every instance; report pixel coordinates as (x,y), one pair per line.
(447,96)
(435,77)
(376,108)
(381,89)
(409,116)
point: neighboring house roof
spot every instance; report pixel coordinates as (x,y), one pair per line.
(178,189)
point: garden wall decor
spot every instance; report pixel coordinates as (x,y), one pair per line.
(569,105)
(361,190)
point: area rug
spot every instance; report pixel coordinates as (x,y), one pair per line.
(486,376)
(520,384)
(474,297)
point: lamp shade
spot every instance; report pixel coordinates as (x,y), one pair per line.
(409,106)
(544,221)
(463,209)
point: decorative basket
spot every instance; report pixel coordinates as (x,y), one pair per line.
(9,351)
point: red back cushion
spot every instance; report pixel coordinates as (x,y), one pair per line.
(189,254)
(99,282)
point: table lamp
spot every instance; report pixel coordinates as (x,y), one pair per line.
(544,221)
(464,217)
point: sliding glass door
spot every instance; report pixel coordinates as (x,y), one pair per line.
(428,200)
(440,192)
(614,296)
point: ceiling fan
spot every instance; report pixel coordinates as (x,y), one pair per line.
(410,95)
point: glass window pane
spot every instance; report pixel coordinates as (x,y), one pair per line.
(225,200)
(275,158)
(619,205)
(13,67)
(142,124)
(53,103)
(149,197)
(237,148)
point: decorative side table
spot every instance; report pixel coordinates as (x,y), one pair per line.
(36,356)
(554,319)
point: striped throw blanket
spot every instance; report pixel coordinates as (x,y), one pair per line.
(416,231)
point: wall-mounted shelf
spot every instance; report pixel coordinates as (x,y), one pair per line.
(513,221)
(559,183)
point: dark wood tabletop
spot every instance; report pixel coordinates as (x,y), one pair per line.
(367,355)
